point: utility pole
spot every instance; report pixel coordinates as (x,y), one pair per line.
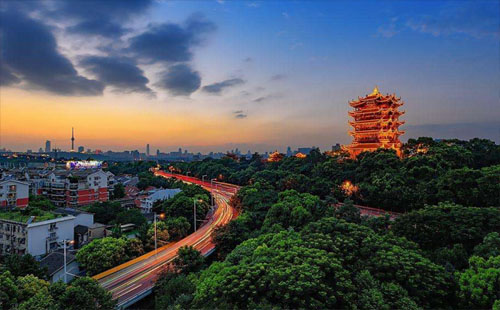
(194,213)
(156,252)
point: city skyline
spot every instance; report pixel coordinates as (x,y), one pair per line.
(247,75)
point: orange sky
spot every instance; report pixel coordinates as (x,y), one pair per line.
(128,122)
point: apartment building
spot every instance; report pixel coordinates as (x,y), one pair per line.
(77,188)
(33,235)
(14,193)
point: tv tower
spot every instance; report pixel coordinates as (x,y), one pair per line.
(72,139)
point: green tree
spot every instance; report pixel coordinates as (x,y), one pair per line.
(489,247)
(172,289)
(188,260)
(102,254)
(30,285)
(9,293)
(118,191)
(86,294)
(479,285)
(21,265)
(178,227)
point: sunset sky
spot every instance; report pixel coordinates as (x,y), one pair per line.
(215,75)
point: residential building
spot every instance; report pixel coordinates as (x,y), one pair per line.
(155,195)
(33,235)
(14,193)
(54,262)
(77,188)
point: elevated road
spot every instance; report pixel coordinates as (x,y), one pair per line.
(135,279)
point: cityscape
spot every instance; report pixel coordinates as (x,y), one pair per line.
(249,155)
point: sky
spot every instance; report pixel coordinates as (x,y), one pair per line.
(259,75)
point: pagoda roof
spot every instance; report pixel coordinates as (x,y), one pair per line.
(377,97)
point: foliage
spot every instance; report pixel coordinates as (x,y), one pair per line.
(22,265)
(178,227)
(188,260)
(489,247)
(479,285)
(103,254)
(172,289)
(118,191)
(447,224)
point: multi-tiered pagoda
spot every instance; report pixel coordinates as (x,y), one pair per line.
(376,122)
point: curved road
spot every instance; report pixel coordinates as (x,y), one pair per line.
(135,279)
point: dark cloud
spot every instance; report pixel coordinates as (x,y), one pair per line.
(99,17)
(171,42)
(217,88)
(29,51)
(278,77)
(180,80)
(6,77)
(239,114)
(121,73)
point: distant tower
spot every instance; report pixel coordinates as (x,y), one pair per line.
(147,150)
(72,139)
(47,146)
(376,122)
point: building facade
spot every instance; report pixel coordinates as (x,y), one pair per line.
(155,195)
(35,238)
(14,193)
(77,188)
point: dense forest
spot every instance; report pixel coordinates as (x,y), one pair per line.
(291,248)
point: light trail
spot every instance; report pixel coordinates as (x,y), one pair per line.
(134,279)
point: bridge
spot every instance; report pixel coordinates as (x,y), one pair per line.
(135,279)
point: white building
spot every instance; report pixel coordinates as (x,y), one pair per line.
(32,237)
(155,195)
(14,193)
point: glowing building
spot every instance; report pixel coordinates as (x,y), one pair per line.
(375,124)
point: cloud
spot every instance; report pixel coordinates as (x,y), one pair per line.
(475,19)
(6,77)
(29,52)
(266,98)
(278,77)
(248,59)
(121,73)
(390,30)
(217,88)
(180,80)
(285,15)
(104,18)
(239,114)
(171,42)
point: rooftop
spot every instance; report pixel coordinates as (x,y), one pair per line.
(55,261)
(17,216)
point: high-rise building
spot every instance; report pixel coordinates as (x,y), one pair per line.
(81,149)
(72,139)
(376,122)
(47,146)
(147,150)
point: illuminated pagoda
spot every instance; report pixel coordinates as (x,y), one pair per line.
(375,124)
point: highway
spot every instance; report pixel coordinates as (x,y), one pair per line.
(135,279)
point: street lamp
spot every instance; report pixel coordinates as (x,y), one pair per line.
(64,246)
(212,190)
(194,211)
(162,215)
(188,172)
(203,177)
